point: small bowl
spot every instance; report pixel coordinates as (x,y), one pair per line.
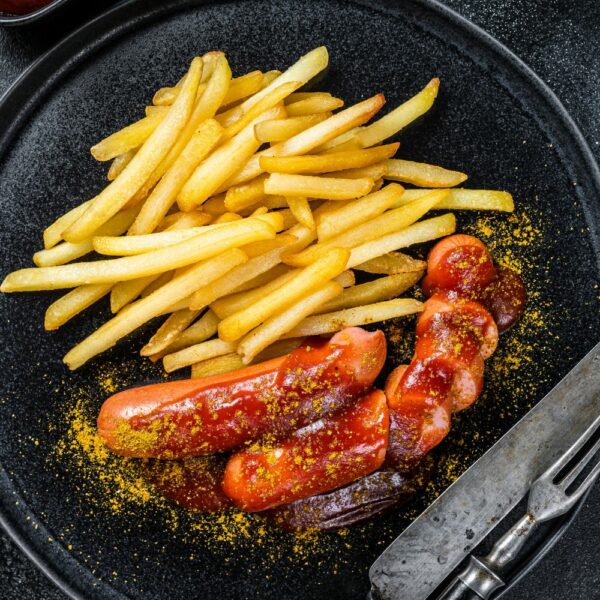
(14,20)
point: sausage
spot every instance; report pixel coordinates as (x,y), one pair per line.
(197,417)
(320,457)
(505,298)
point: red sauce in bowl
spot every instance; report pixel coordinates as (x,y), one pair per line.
(22,7)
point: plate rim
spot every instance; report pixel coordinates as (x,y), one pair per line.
(68,54)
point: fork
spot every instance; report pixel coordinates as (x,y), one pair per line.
(549,497)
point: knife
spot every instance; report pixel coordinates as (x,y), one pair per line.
(416,563)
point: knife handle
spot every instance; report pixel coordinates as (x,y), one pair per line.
(475,582)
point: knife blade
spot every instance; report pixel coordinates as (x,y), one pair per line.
(429,549)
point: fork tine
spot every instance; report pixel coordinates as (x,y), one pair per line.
(572,451)
(570,477)
(586,483)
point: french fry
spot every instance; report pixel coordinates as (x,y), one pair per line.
(336,221)
(215,206)
(339,141)
(128,138)
(222,163)
(131,267)
(326,188)
(422,174)
(124,292)
(326,163)
(237,325)
(243,86)
(384,224)
(239,197)
(198,353)
(303,70)
(315,104)
(156,283)
(375,172)
(353,317)
(204,328)
(142,311)
(53,233)
(217,365)
(67,251)
(301,210)
(267,102)
(278,348)
(227,217)
(283,129)
(272,329)
(260,280)
(461,199)
(147,158)
(139,244)
(312,137)
(264,246)
(297,96)
(400,117)
(119,163)
(156,110)
(392,264)
(232,280)
(424,231)
(378,290)
(169,330)
(181,220)
(72,303)
(205,108)
(163,196)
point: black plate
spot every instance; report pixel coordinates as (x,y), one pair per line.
(89,526)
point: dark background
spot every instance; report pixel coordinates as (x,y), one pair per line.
(559,40)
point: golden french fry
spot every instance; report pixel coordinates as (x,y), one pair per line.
(217,365)
(205,108)
(392,263)
(198,353)
(181,220)
(315,104)
(165,96)
(377,185)
(461,199)
(204,328)
(303,70)
(400,117)
(302,282)
(340,141)
(278,348)
(297,96)
(215,206)
(119,163)
(232,280)
(169,330)
(163,196)
(352,317)
(227,217)
(386,223)
(283,129)
(243,86)
(142,311)
(301,210)
(261,280)
(139,244)
(147,158)
(156,110)
(375,172)
(326,188)
(422,174)
(53,233)
(267,102)
(272,329)
(378,290)
(222,163)
(128,138)
(245,195)
(424,231)
(124,292)
(67,251)
(131,267)
(264,246)
(326,163)
(156,283)
(336,221)
(312,137)
(72,303)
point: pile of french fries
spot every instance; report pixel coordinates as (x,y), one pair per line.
(238,208)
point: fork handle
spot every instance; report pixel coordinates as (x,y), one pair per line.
(510,544)
(476,581)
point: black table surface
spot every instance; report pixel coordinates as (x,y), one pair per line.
(559,39)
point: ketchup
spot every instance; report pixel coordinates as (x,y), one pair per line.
(22,7)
